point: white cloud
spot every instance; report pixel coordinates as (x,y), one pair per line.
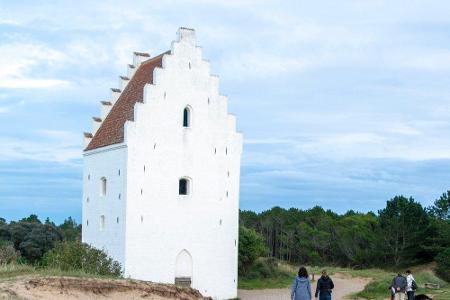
(423,58)
(404,129)
(19,62)
(48,145)
(268,141)
(30,83)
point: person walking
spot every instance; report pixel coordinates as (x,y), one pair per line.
(324,287)
(411,285)
(301,287)
(399,285)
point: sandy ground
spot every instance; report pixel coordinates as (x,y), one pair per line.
(71,288)
(344,285)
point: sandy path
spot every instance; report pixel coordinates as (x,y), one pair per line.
(344,285)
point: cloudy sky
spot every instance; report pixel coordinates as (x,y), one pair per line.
(343,104)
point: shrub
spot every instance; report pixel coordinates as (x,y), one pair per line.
(76,256)
(7,253)
(251,246)
(443,264)
(264,268)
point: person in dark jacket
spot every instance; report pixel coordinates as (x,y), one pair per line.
(325,287)
(399,284)
(301,288)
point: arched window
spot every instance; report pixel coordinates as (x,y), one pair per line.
(186,117)
(184,187)
(103,186)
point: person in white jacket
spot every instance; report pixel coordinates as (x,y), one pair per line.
(409,285)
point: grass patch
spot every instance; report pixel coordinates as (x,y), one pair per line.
(378,288)
(13,270)
(281,280)
(8,271)
(266,273)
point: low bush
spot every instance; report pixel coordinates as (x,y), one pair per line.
(265,273)
(76,256)
(264,268)
(7,253)
(443,264)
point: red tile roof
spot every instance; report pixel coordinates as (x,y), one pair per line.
(112,129)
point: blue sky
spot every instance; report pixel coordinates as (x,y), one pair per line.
(343,104)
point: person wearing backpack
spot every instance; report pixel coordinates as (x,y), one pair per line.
(411,285)
(324,287)
(399,285)
(301,287)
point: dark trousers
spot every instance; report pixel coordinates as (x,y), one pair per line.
(323,296)
(410,295)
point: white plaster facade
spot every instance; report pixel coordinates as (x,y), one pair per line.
(155,233)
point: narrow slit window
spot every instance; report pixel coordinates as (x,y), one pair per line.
(186,117)
(102,223)
(103,183)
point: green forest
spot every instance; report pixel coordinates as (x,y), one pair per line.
(403,233)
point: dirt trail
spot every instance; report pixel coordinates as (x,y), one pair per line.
(72,288)
(344,286)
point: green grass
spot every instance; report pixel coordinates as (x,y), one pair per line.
(381,280)
(281,280)
(13,270)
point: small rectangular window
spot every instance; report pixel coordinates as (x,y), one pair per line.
(183,188)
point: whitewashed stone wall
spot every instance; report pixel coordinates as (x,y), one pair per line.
(110,163)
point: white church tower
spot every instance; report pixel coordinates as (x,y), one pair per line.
(161,173)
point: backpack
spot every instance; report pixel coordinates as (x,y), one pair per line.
(414,285)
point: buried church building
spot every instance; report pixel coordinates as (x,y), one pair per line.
(161,174)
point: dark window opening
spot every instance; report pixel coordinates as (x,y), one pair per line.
(186,117)
(183,187)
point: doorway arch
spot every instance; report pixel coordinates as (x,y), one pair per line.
(183,268)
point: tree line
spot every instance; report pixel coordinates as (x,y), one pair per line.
(32,238)
(403,233)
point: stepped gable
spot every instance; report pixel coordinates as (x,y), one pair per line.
(112,129)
